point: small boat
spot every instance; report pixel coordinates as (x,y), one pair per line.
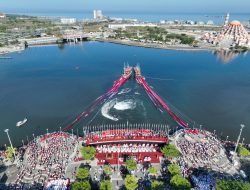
(20,123)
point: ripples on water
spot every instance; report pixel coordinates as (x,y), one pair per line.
(43,84)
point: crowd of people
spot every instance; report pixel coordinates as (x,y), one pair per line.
(127,148)
(203,181)
(46,158)
(60,184)
(201,150)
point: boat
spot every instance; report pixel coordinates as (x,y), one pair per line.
(20,123)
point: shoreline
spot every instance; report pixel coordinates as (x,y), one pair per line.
(11,49)
(156,46)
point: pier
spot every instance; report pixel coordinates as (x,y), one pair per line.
(74,37)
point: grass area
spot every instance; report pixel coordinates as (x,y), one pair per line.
(153,34)
(14,27)
(95,26)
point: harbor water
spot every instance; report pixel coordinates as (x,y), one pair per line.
(50,85)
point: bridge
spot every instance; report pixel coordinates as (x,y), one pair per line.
(72,36)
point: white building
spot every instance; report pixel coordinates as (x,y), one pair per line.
(68,20)
(98,14)
(124,26)
(200,23)
(226,19)
(210,22)
(2,15)
(232,34)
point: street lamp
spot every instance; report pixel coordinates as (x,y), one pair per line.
(27,139)
(227,138)
(7,132)
(200,127)
(33,136)
(72,132)
(60,128)
(214,132)
(241,128)
(47,131)
(242,141)
(23,142)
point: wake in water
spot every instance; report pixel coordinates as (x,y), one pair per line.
(128,104)
(125,91)
(125,105)
(106,109)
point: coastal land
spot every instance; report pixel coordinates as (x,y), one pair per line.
(19,32)
(179,47)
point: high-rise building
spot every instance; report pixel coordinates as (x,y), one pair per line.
(227,16)
(98,14)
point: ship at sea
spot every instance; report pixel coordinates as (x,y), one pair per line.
(21,123)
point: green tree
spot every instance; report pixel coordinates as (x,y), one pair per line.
(88,152)
(131,164)
(10,153)
(170,151)
(153,170)
(180,183)
(243,151)
(83,185)
(130,182)
(82,173)
(107,169)
(157,185)
(106,185)
(232,185)
(174,169)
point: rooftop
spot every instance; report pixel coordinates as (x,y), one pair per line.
(235,23)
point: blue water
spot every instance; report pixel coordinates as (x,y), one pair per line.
(218,18)
(51,85)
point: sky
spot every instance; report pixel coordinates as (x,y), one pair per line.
(171,6)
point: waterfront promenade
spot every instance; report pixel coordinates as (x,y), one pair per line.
(53,158)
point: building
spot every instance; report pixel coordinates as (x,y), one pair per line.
(233,34)
(210,22)
(226,19)
(200,23)
(98,14)
(68,20)
(124,26)
(116,146)
(2,15)
(190,22)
